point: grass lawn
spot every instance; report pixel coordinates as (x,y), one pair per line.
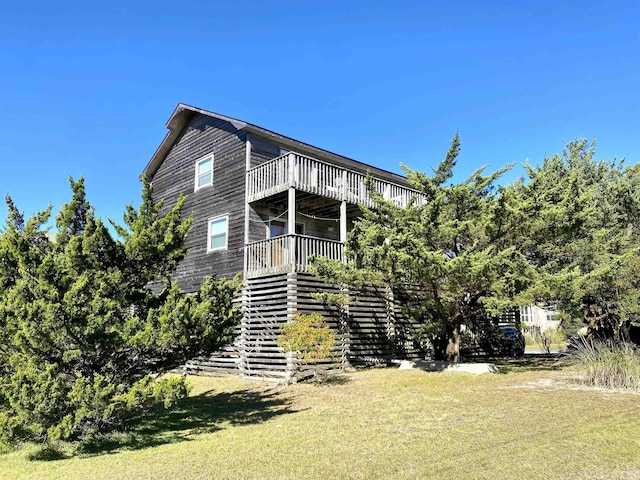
(527,423)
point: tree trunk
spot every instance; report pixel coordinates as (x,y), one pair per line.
(599,325)
(453,343)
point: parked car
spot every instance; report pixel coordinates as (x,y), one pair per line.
(515,340)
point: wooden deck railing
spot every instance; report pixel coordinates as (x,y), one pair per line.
(288,253)
(315,176)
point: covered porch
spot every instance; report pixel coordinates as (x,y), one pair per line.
(288,253)
(288,228)
(300,207)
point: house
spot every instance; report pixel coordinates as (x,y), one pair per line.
(263,204)
(538,318)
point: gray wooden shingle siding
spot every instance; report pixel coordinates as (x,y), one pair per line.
(176,176)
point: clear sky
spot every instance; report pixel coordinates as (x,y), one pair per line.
(86,87)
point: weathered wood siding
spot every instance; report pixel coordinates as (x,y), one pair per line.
(262,150)
(202,136)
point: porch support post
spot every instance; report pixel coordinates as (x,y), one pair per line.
(292,308)
(343,316)
(291,226)
(291,208)
(343,209)
(343,221)
(244,323)
(247,206)
(291,167)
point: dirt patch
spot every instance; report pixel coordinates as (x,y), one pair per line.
(566,382)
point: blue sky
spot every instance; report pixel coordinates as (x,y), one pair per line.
(86,89)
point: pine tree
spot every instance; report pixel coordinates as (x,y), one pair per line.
(83,339)
(450,255)
(582,234)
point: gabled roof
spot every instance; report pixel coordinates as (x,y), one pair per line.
(183,114)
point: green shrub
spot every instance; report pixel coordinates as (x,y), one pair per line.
(611,366)
(310,337)
(83,339)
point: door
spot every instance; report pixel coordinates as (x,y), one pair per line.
(278,228)
(280,247)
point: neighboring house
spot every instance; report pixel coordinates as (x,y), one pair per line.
(537,319)
(263,204)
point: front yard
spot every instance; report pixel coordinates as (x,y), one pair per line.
(525,423)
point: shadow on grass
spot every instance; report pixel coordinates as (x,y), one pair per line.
(204,413)
(47,454)
(331,377)
(335,379)
(530,363)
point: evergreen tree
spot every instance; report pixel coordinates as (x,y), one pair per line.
(83,339)
(451,255)
(582,233)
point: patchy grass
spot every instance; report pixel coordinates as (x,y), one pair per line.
(529,363)
(381,423)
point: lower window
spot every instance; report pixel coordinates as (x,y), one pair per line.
(218,233)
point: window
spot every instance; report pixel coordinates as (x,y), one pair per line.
(218,233)
(278,228)
(526,314)
(204,172)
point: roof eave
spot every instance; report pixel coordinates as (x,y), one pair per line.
(178,119)
(183,113)
(293,144)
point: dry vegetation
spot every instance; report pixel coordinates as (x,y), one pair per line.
(383,423)
(603,365)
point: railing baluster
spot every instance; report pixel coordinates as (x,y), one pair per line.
(325,179)
(288,253)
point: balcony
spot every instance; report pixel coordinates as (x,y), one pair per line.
(314,176)
(288,253)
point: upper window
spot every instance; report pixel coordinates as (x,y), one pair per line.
(526,314)
(204,172)
(218,234)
